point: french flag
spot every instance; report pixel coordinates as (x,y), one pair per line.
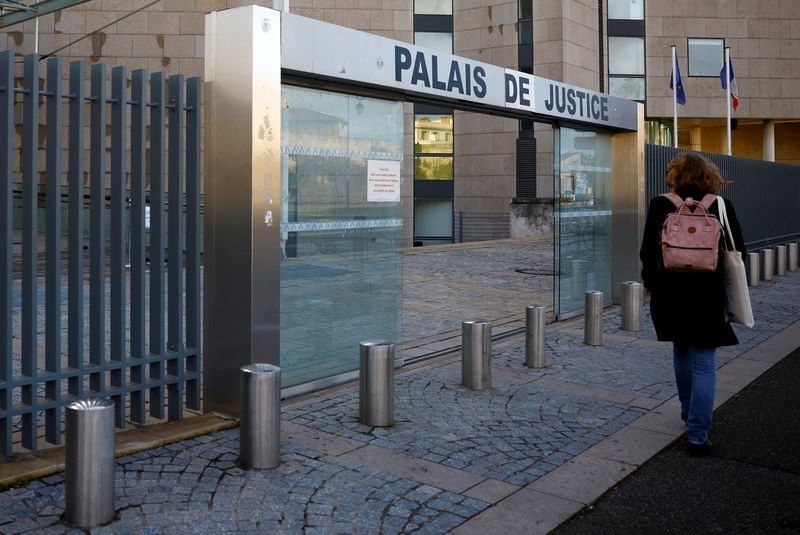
(723,75)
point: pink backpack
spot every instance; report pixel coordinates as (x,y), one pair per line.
(690,239)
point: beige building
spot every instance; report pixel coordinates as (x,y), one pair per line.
(480,162)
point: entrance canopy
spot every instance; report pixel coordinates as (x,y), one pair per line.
(314,48)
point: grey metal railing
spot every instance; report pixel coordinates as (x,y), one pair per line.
(143,348)
(764,193)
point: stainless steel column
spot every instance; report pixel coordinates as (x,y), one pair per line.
(476,354)
(780,260)
(593,318)
(767,264)
(793,256)
(534,335)
(376,383)
(260,410)
(89,463)
(631,305)
(753,275)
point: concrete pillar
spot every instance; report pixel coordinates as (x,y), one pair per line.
(769,141)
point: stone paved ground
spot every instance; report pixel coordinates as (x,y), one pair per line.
(452,454)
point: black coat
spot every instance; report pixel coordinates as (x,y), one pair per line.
(687,308)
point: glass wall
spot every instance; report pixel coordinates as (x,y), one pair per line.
(341,270)
(583,239)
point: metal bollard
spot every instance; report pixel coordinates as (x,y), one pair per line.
(768,266)
(780,260)
(260,424)
(793,256)
(89,463)
(593,318)
(631,305)
(534,335)
(476,354)
(376,383)
(753,276)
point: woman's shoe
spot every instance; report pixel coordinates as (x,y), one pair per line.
(698,450)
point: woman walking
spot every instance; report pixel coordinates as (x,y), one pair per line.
(688,307)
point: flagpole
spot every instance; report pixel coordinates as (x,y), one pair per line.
(728,93)
(674,97)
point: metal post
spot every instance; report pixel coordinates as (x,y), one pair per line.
(476,354)
(89,462)
(793,256)
(534,335)
(631,305)
(753,275)
(593,318)
(376,383)
(768,264)
(780,260)
(260,425)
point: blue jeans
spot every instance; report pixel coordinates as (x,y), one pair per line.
(696,376)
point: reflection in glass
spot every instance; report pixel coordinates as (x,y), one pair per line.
(630,88)
(525,32)
(626,55)
(706,57)
(433,167)
(433,7)
(583,168)
(341,271)
(439,41)
(433,220)
(433,133)
(626,9)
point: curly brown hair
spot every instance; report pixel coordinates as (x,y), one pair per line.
(689,170)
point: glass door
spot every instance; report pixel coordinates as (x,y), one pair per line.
(583,218)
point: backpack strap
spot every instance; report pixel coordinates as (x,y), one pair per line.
(674,197)
(708,200)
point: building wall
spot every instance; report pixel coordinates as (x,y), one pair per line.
(764,38)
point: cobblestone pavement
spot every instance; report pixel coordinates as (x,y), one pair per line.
(533,422)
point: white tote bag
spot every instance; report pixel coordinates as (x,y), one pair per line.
(737,307)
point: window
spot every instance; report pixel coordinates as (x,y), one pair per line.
(433,7)
(525,36)
(625,87)
(626,55)
(706,56)
(626,9)
(439,41)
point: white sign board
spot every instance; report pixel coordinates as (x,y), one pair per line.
(383,181)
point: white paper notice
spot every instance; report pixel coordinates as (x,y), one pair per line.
(383,181)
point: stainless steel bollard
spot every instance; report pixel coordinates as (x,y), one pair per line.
(89,463)
(376,383)
(534,335)
(476,354)
(780,260)
(767,264)
(631,305)
(793,256)
(593,318)
(260,424)
(753,275)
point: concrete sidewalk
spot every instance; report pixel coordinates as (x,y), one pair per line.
(521,458)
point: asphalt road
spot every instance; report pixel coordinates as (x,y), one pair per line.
(749,484)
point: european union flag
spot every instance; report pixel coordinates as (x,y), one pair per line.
(681,96)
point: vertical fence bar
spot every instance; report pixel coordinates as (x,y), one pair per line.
(75,274)
(157,108)
(97,276)
(175,247)
(193,241)
(119,108)
(6,239)
(30,246)
(138,153)
(53,280)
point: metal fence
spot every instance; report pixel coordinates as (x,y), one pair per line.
(142,348)
(481,227)
(765,194)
